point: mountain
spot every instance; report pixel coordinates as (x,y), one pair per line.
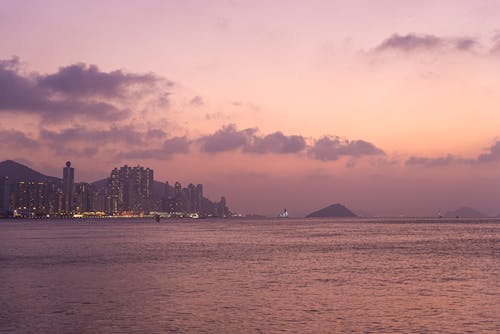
(100,183)
(334,210)
(17,172)
(465,212)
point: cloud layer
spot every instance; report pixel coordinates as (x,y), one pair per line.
(491,155)
(77,90)
(333,148)
(79,80)
(129,142)
(416,42)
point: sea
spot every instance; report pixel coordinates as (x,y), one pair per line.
(250,276)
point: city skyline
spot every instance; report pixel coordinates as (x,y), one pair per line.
(127,192)
(386,107)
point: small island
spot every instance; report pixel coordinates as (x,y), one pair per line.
(464,212)
(333,211)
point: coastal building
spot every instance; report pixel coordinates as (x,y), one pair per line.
(4,196)
(199,199)
(191,198)
(99,200)
(37,198)
(178,205)
(68,187)
(221,208)
(130,189)
(83,197)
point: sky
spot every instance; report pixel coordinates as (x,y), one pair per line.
(390,107)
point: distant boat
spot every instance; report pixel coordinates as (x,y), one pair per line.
(284,214)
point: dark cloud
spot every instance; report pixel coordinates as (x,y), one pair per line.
(71,151)
(68,141)
(493,154)
(226,139)
(495,49)
(410,42)
(437,161)
(326,149)
(16,139)
(87,80)
(465,44)
(175,145)
(155,134)
(124,134)
(229,138)
(276,143)
(197,101)
(333,148)
(74,91)
(415,42)
(13,63)
(153,143)
(19,92)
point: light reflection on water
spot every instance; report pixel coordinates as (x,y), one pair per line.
(303,276)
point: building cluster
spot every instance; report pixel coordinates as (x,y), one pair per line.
(129,191)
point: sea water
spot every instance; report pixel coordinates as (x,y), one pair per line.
(250,276)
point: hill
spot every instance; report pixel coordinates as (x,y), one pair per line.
(465,212)
(18,172)
(334,210)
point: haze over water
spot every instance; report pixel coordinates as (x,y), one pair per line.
(253,276)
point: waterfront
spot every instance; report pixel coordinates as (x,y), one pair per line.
(237,276)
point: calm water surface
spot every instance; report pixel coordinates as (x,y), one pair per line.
(261,276)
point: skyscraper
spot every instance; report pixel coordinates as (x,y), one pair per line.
(36,198)
(83,197)
(199,198)
(191,198)
(4,195)
(168,191)
(178,197)
(130,189)
(68,186)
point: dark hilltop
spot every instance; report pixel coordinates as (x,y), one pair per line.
(333,211)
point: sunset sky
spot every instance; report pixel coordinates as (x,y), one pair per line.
(390,107)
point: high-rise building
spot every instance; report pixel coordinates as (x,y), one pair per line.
(178,197)
(130,189)
(68,187)
(99,200)
(55,198)
(221,208)
(83,197)
(191,198)
(37,198)
(168,191)
(199,199)
(4,195)
(113,193)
